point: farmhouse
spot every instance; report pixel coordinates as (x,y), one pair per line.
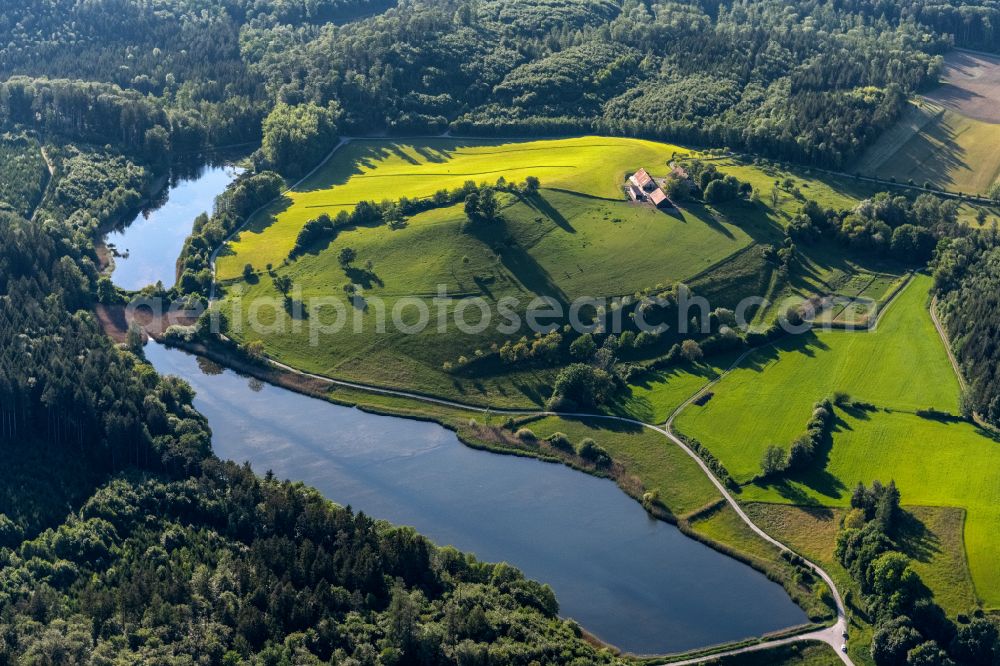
(643,180)
(642,187)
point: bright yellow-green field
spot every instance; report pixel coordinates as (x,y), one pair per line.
(577,237)
(931,143)
(391,169)
(654,396)
(900,367)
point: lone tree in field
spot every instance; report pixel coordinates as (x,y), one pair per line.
(283,283)
(347,257)
(774,461)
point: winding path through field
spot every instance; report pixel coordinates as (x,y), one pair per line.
(832,635)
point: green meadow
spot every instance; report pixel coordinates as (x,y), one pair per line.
(577,237)
(900,367)
(556,244)
(391,169)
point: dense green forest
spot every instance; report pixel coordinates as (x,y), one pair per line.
(813,82)
(136,545)
(967,282)
(124,540)
(23,174)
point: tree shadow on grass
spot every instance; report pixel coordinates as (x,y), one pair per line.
(678,215)
(364,277)
(704,215)
(915,539)
(538,202)
(807,344)
(517,261)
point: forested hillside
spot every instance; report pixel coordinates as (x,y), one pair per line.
(967,281)
(814,82)
(169,554)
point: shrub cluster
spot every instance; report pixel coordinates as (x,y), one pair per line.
(910,629)
(721,473)
(775,461)
(588,450)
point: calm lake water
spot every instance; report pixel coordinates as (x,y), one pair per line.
(637,583)
(153,240)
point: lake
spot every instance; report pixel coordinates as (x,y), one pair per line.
(151,243)
(635,582)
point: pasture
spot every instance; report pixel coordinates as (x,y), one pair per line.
(900,367)
(577,237)
(391,169)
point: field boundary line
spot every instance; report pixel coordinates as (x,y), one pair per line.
(947,343)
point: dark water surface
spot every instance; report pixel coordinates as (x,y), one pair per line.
(636,583)
(154,239)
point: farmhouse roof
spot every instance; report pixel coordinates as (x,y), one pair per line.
(634,192)
(658,197)
(642,178)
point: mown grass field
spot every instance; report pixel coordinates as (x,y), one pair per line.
(655,395)
(934,144)
(931,536)
(391,169)
(900,367)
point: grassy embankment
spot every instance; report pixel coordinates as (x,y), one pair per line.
(900,367)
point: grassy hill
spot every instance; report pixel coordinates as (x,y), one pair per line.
(900,367)
(391,169)
(578,237)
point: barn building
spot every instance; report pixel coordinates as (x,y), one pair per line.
(642,187)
